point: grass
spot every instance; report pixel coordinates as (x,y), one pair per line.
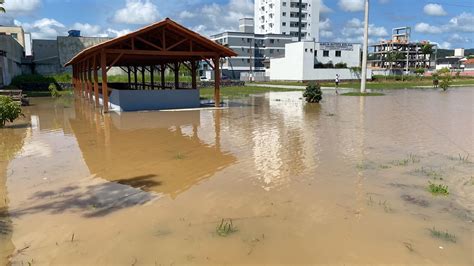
(362,94)
(411,158)
(429,172)
(443,235)
(226,228)
(238,92)
(47,93)
(438,189)
(379,84)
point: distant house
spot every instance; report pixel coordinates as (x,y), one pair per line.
(468,64)
(448,62)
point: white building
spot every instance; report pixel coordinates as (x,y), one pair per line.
(282,17)
(306,61)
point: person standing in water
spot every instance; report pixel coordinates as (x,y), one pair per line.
(337,83)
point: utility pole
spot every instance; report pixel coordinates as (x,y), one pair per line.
(300,19)
(366,49)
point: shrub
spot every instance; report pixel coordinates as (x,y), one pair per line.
(313,93)
(329,65)
(445,76)
(53,89)
(340,65)
(9,110)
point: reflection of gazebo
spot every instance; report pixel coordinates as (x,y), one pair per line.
(165,156)
(153,49)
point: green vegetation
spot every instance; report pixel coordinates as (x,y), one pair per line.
(460,157)
(59,78)
(53,89)
(226,228)
(438,189)
(238,92)
(445,76)
(443,235)
(313,93)
(2,9)
(362,94)
(9,110)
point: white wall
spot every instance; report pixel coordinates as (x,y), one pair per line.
(298,63)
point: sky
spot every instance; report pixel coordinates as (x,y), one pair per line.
(450,23)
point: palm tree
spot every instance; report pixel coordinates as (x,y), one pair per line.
(427,49)
(2,9)
(394,57)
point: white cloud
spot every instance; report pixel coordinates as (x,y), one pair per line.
(464,22)
(445,45)
(351,5)
(45,28)
(427,28)
(434,10)
(137,12)
(89,30)
(21,5)
(325,8)
(116,33)
(214,18)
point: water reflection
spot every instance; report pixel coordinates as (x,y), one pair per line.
(153,151)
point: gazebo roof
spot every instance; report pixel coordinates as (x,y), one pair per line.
(163,42)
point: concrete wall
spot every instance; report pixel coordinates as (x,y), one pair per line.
(10,62)
(68,47)
(140,100)
(14,31)
(301,57)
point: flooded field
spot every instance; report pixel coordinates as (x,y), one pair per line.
(268,180)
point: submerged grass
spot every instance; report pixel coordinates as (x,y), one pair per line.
(362,94)
(429,172)
(460,157)
(446,236)
(238,92)
(226,228)
(438,189)
(411,158)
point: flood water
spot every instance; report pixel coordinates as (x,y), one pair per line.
(342,182)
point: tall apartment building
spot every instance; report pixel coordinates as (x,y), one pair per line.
(283,17)
(252,49)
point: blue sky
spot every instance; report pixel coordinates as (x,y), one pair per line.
(447,22)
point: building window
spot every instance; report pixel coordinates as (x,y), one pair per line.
(272,41)
(306,50)
(248,60)
(338,53)
(311,50)
(315,53)
(284,3)
(248,40)
(284,14)
(284,23)
(271,51)
(326,53)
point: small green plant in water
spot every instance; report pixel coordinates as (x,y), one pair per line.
(313,93)
(179,156)
(443,235)
(9,110)
(438,189)
(226,228)
(445,76)
(53,89)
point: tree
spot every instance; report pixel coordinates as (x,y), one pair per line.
(445,76)
(427,49)
(2,9)
(9,110)
(313,93)
(394,57)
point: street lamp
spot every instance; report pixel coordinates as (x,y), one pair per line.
(366,48)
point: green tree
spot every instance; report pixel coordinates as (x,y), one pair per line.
(394,57)
(313,93)
(2,9)
(445,76)
(9,110)
(427,49)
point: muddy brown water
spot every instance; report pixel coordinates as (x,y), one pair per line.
(341,182)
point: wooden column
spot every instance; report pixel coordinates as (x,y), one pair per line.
(81,79)
(162,70)
(193,75)
(89,77)
(135,77)
(74,79)
(176,76)
(143,78)
(152,77)
(96,82)
(105,90)
(129,78)
(217,82)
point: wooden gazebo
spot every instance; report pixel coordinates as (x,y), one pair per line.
(153,49)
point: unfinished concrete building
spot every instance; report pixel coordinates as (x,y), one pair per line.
(400,53)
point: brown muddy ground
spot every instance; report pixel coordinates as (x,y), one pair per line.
(342,182)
